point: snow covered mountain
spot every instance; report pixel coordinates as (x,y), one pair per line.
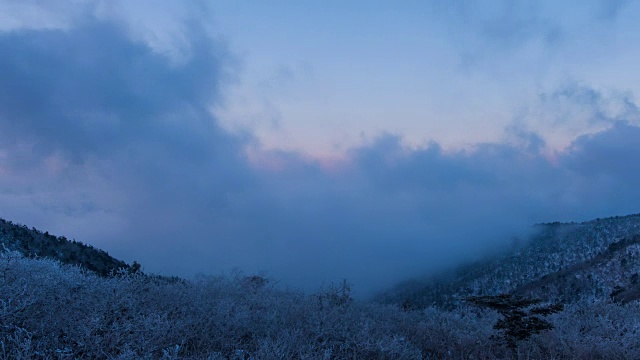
(34,243)
(587,271)
(594,261)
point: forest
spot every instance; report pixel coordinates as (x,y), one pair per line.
(56,310)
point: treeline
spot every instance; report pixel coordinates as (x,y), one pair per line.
(34,243)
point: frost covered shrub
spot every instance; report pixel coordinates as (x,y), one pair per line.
(63,311)
(600,330)
(49,311)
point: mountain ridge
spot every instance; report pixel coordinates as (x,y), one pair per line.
(35,243)
(134,316)
(596,260)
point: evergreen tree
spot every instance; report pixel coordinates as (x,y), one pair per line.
(521,317)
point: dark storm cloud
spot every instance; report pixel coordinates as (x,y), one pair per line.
(103,137)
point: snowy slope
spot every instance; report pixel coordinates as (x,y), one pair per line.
(563,261)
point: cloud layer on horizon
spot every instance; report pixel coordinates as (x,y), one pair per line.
(106,139)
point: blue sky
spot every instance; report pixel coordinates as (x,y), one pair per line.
(315,141)
(323,76)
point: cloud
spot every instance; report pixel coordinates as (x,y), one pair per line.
(108,140)
(89,89)
(497,36)
(501,27)
(611,154)
(394,211)
(610,9)
(18,15)
(93,109)
(574,109)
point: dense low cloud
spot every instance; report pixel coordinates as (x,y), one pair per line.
(108,140)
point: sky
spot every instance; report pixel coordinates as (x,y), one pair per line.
(315,141)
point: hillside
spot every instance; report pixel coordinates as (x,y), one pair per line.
(567,262)
(56,311)
(34,243)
